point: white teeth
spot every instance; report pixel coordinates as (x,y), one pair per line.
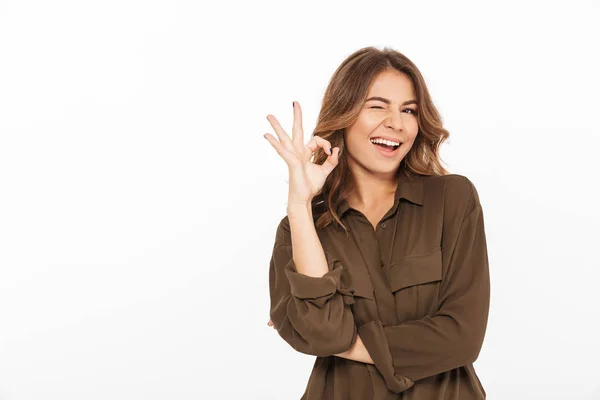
(388,142)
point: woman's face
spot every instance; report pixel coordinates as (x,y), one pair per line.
(391,115)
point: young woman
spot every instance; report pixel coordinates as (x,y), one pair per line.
(380,267)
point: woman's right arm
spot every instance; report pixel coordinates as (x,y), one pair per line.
(309,308)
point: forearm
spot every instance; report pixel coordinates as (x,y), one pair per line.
(358,352)
(311,313)
(308,253)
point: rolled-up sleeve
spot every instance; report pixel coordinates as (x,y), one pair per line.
(312,314)
(453,336)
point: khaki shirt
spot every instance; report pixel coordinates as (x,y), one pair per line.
(416,289)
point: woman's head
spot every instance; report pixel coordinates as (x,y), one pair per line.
(350,118)
(388,113)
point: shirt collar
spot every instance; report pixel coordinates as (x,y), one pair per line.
(409,188)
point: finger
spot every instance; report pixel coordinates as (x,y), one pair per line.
(317,142)
(332,161)
(297,130)
(284,138)
(282,151)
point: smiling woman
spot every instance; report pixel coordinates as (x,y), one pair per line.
(379,268)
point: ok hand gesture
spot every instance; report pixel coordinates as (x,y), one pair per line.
(306,177)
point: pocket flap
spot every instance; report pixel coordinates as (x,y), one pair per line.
(416,270)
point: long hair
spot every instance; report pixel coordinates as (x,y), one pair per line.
(342,103)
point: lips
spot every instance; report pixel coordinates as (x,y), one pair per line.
(386,151)
(391,139)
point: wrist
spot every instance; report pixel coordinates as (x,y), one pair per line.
(301,208)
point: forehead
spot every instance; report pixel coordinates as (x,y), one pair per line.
(393,85)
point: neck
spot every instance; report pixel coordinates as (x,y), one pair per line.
(372,190)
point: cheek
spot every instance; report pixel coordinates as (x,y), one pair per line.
(370,121)
(411,123)
(361,130)
(409,145)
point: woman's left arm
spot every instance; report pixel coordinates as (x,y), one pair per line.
(358,351)
(453,336)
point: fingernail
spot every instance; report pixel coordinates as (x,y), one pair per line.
(293,105)
(331,151)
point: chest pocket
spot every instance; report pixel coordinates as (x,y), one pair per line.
(415,282)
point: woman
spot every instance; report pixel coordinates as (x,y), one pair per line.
(380,267)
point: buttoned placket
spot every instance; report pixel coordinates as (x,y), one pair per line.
(380,238)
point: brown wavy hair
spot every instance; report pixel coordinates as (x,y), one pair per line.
(342,103)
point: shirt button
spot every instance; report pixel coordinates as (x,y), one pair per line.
(383,225)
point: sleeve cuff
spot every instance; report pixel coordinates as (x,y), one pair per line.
(318,290)
(376,343)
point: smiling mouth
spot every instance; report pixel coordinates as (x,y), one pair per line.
(387,148)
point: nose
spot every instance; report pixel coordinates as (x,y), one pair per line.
(394,121)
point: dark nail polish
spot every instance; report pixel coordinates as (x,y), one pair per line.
(293,105)
(331,151)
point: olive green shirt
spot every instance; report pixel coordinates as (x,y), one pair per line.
(416,289)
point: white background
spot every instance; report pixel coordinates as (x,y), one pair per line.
(139,199)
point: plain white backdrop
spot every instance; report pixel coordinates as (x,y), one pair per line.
(139,198)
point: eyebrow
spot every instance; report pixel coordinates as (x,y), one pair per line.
(386,101)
